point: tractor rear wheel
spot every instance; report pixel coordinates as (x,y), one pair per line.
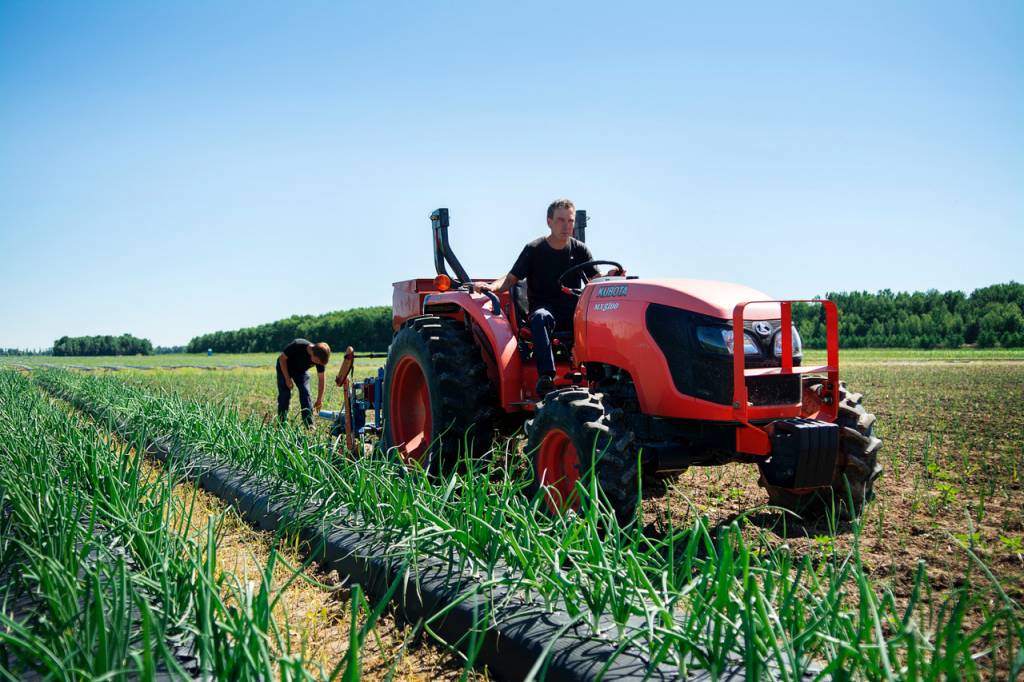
(437,397)
(573,437)
(856,469)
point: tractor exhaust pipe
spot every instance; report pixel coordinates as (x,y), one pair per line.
(442,249)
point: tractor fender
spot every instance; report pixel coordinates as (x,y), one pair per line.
(497,332)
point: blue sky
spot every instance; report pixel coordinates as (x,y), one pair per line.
(169,169)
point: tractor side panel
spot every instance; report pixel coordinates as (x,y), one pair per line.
(616,334)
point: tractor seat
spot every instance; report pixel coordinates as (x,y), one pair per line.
(520,304)
(521,310)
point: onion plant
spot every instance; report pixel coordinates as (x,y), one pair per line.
(96,582)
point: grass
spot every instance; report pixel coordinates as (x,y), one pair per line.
(689,583)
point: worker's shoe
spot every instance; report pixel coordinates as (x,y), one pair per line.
(545,384)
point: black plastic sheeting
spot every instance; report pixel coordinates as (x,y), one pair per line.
(514,634)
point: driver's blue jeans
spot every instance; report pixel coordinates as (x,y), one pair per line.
(542,324)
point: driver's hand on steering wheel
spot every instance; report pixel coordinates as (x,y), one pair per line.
(479,287)
(616,272)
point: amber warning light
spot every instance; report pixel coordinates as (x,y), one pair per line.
(442,283)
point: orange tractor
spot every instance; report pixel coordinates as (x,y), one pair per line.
(658,375)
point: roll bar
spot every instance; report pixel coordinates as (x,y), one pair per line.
(580,230)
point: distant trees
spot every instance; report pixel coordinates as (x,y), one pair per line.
(126,344)
(24,351)
(990,317)
(366,329)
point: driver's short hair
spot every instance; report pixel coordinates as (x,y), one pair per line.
(559,203)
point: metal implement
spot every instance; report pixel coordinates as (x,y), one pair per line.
(357,398)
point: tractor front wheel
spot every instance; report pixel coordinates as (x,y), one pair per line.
(571,440)
(857,466)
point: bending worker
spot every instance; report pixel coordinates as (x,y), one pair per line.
(299,356)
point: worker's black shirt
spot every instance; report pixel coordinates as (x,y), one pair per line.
(540,265)
(298,357)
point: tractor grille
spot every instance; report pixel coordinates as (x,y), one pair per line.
(773,390)
(709,376)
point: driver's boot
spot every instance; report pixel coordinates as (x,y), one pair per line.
(545,384)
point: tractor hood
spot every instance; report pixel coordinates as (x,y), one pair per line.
(706,297)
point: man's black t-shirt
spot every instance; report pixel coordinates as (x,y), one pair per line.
(298,357)
(540,265)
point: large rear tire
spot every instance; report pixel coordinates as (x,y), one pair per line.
(438,401)
(856,469)
(570,435)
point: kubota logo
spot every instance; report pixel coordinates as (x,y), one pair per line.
(608,292)
(762,328)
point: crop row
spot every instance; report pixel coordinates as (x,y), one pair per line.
(99,576)
(693,597)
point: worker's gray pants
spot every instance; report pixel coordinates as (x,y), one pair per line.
(284,396)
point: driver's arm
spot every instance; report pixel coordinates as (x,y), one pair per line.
(497,286)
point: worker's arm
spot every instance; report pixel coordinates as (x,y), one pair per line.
(319,391)
(282,362)
(497,286)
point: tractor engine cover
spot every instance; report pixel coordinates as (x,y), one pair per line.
(804,453)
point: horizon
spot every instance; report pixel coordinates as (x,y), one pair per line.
(171,171)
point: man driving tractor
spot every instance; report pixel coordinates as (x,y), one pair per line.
(540,263)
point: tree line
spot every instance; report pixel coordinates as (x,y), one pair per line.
(366,329)
(126,344)
(990,317)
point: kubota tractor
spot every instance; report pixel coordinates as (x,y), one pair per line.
(661,374)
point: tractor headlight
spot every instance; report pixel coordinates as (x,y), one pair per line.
(720,340)
(798,345)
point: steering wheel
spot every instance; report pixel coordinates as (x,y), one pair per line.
(579,266)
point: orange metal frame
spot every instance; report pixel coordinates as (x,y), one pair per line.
(752,439)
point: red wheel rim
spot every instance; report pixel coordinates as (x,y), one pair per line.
(410,410)
(558,467)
